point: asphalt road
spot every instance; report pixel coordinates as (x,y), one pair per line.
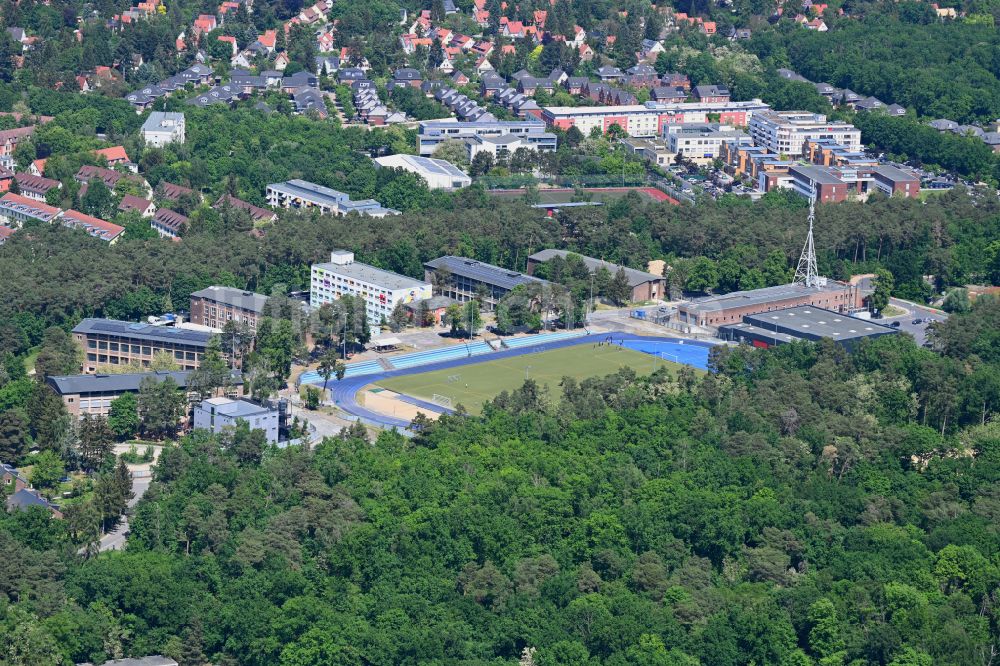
(918,331)
(115,539)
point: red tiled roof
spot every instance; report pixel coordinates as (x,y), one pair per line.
(132,202)
(268,38)
(256,212)
(35,184)
(92,225)
(113,154)
(19,200)
(170,219)
(171,191)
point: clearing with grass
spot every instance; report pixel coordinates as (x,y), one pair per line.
(474,385)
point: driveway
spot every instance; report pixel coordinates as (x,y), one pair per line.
(116,538)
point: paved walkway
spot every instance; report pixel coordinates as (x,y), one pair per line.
(344,392)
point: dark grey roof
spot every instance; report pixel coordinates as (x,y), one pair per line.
(812,323)
(100,383)
(710,91)
(943,124)
(754,297)
(635,277)
(477,270)
(155,660)
(166,334)
(25,498)
(642,70)
(406,74)
(245,300)
(13,471)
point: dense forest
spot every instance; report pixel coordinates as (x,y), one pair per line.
(795,506)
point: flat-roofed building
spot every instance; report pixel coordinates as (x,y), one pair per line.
(785,132)
(432,133)
(804,322)
(382,290)
(115,342)
(215,306)
(731,308)
(468,279)
(825,182)
(93,394)
(894,181)
(163,127)
(298,193)
(645,286)
(439,174)
(219,414)
(700,143)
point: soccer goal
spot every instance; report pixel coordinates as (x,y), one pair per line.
(452,379)
(442,400)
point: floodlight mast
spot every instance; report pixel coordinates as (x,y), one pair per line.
(806,273)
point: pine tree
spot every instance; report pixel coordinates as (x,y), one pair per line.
(94,441)
(619,289)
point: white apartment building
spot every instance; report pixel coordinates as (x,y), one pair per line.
(381,289)
(700,143)
(785,132)
(163,127)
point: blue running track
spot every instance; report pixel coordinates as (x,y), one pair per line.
(344,392)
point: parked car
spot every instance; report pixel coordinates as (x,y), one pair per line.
(917,321)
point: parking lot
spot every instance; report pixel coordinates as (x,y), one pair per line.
(915,312)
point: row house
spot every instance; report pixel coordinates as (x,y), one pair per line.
(35,187)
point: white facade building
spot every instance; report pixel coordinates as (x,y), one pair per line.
(217,414)
(785,132)
(298,193)
(381,289)
(163,127)
(699,143)
(439,174)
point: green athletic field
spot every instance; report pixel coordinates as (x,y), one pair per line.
(473,385)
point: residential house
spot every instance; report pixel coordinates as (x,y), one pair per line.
(608,73)
(35,187)
(10,138)
(171,192)
(15,210)
(667,94)
(711,94)
(96,227)
(26,498)
(257,214)
(168,223)
(406,77)
(144,207)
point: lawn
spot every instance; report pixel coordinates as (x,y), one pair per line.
(473,385)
